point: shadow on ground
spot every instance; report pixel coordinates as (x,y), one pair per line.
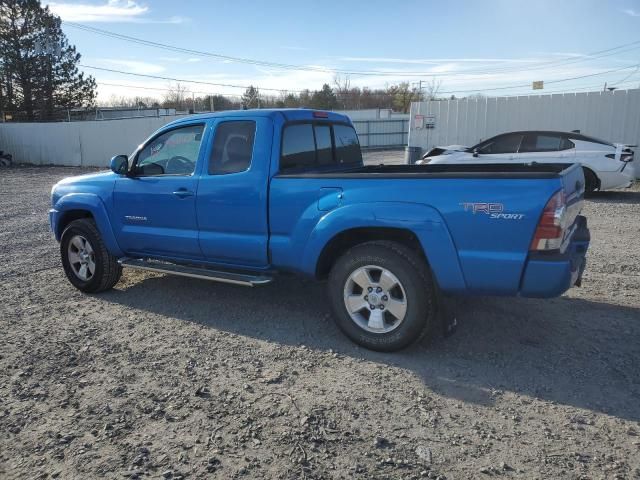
(628,197)
(566,350)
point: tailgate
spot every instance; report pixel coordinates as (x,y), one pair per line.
(573,189)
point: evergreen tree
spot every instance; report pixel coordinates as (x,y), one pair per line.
(324,99)
(39,73)
(251,98)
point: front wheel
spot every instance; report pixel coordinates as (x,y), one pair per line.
(86,261)
(382,295)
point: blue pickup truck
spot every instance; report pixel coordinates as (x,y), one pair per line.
(240,197)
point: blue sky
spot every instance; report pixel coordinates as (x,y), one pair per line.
(464,45)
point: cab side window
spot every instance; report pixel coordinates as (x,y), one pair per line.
(232,147)
(172,153)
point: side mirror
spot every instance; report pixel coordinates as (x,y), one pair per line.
(475,152)
(120,164)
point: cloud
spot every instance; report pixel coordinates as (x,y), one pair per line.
(566,54)
(180,59)
(113,11)
(431,61)
(631,12)
(133,66)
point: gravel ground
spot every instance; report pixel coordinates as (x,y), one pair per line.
(167,377)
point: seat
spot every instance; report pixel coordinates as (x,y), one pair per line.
(238,155)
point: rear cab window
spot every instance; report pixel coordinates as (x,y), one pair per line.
(347,145)
(308,146)
(298,147)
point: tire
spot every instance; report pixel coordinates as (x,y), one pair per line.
(81,244)
(415,291)
(590,182)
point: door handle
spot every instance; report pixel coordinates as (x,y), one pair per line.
(183,193)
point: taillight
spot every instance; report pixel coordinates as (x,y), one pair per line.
(625,157)
(550,230)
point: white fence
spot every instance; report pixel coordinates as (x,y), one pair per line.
(93,143)
(76,143)
(382,133)
(612,116)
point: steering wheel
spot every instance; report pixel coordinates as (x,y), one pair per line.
(179,164)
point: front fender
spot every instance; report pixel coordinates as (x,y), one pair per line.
(91,203)
(424,221)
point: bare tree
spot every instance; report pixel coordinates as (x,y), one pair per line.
(431,89)
(175,97)
(342,89)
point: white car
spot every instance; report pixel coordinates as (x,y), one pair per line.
(606,165)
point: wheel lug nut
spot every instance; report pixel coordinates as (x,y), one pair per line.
(372,307)
(370,289)
(385,298)
(381,307)
(366,297)
(378,289)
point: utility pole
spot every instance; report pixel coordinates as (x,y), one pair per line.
(419,82)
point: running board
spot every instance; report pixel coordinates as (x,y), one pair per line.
(195,272)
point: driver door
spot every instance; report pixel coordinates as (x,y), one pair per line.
(155,205)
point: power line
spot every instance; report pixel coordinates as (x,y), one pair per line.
(595,87)
(159,77)
(285,66)
(547,82)
(628,76)
(300,91)
(166,89)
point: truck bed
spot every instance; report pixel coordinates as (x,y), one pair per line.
(486,214)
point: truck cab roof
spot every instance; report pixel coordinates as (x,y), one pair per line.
(288,114)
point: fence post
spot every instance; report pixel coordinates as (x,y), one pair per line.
(369,133)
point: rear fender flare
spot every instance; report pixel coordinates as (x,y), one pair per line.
(422,220)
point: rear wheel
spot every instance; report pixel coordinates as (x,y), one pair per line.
(382,295)
(590,181)
(86,261)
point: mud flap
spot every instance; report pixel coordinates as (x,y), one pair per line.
(446,314)
(448,318)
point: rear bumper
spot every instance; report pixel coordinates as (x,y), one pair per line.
(632,169)
(548,276)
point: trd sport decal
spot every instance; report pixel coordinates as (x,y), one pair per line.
(494,210)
